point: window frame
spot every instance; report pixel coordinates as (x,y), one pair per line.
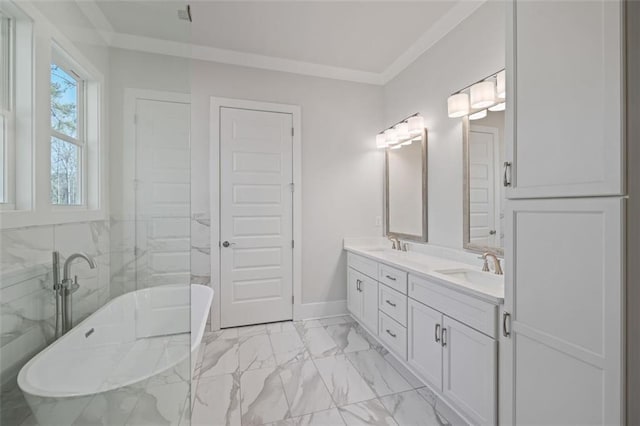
(59,59)
(8,113)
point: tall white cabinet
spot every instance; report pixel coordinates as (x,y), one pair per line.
(561,347)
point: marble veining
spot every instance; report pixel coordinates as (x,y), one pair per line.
(378,373)
(304,388)
(347,337)
(262,397)
(367,413)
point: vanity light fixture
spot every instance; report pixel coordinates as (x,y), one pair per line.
(501,84)
(458,105)
(474,99)
(483,94)
(402,133)
(478,115)
(498,107)
(416,125)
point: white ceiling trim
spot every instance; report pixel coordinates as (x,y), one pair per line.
(441,28)
(213,54)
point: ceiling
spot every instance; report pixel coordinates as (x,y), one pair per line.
(358,40)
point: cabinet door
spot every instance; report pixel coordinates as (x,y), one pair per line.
(563,290)
(354,299)
(564,133)
(470,371)
(425,347)
(370,304)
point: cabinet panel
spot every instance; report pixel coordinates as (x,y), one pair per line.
(470,371)
(394,335)
(364,265)
(565,98)
(370,304)
(393,304)
(424,352)
(354,300)
(564,293)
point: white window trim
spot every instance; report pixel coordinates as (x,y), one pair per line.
(8,125)
(33,196)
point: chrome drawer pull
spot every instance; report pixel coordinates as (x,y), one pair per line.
(506,181)
(506,316)
(392,304)
(437,333)
(390,333)
(444,337)
(391,278)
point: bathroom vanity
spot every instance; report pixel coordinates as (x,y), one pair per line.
(439,316)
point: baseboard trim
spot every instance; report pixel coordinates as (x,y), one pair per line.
(319,310)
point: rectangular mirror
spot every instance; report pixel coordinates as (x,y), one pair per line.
(483,192)
(406,190)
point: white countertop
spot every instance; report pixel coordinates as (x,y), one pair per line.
(489,287)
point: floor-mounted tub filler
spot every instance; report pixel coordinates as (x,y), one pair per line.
(128,363)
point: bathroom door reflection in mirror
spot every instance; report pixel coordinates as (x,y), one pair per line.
(484,194)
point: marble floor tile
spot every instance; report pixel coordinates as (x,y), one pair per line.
(378,373)
(227,333)
(217,401)
(409,408)
(262,397)
(288,347)
(160,405)
(220,357)
(319,343)
(280,327)
(321,418)
(307,324)
(428,394)
(304,388)
(343,381)
(347,338)
(255,352)
(344,319)
(408,375)
(252,330)
(367,413)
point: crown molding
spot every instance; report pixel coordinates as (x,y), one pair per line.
(441,28)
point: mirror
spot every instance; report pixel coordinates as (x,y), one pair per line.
(483,192)
(406,190)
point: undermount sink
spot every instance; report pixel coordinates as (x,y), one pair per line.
(471,276)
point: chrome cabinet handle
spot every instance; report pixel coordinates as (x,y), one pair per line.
(437,333)
(358,282)
(492,232)
(506,316)
(444,337)
(390,303)
(390,333)
(391,278)
(506,181)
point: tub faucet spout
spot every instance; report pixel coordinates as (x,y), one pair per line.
(68,286)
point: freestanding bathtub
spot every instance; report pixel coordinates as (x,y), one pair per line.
(129,363)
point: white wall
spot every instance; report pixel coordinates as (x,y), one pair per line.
(342,170)
(473,50)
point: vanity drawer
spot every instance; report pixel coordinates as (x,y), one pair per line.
(394,278)
(475,313)
(362,264)
(393,335)
(393,303)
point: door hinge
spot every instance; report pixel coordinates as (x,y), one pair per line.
(292,131)
(293,298)
(292,186)
(292,244)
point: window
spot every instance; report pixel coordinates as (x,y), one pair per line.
(67,136)
(7,109)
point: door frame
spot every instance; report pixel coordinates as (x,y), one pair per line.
(129,146)
(214,194)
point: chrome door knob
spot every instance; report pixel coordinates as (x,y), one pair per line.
(227,244)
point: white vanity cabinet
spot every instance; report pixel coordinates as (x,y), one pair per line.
(446,337)
(570,53)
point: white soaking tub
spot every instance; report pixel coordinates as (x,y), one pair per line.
(129,363)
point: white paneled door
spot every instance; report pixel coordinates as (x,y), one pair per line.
(256,216)
(484,219)
(162,197)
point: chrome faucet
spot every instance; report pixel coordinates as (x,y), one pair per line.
(65,288)
(497,269)
(396,242)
